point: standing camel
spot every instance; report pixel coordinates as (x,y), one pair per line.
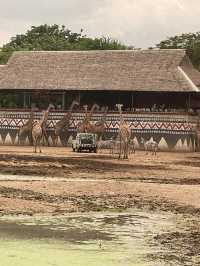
(99,127)
(124,134)
(39,129)
(85,126)
(62,126)
(26,129)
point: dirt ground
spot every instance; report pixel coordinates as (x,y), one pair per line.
(60,181)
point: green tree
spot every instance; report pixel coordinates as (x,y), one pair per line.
(188,41)
(4,56)
(56,38)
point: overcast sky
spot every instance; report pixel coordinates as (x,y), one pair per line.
(141,23)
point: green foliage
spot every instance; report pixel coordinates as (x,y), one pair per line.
(8,100)
(56,38)
(100,44)
(43,37)
(188,41)
(4,56)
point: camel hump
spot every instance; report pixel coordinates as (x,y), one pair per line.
(98,123)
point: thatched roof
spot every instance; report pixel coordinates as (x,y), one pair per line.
(149,70)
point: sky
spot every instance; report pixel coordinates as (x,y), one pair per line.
(141,23)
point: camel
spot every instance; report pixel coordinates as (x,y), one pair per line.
(99,127)
(62,126)
(26,129)
(81,125)
(85,126)
(39,129)
(124,134)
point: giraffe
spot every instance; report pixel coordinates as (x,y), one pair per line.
(39,129)
(86,126)
(63,125)
(198,139)
(124,134)
(197,133)
(99,127)
(26,129)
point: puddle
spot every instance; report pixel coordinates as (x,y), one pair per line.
(110,239)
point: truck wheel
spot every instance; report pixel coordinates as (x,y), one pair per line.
(95,150)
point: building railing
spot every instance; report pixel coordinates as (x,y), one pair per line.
(139,111)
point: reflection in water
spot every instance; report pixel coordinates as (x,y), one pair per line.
(110,239)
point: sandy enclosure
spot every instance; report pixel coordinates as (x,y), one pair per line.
(60,181)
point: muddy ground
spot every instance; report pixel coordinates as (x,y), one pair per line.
(60,181)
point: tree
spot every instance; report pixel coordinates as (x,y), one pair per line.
(56,38)
(188,41)
(4,56)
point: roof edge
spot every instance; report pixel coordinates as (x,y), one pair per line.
(194,87)
(104,51)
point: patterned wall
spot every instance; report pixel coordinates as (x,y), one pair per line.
(171,131)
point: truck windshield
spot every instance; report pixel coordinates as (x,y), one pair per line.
(86,139)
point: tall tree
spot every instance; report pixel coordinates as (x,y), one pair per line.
(56,38)
(188,41)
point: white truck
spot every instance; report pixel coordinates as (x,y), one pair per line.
(85,142)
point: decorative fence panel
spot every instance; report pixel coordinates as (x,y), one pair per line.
(173,132)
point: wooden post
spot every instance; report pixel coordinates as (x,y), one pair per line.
(63,100)
(24,99)
(131,101)
(79,98)
(189,101)
(29,99)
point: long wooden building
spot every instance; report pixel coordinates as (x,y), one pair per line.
(159,90)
